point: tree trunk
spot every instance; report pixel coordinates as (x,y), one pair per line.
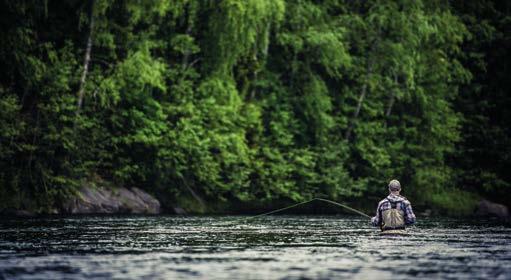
(391,103)
(359,105)
(357,111)
(392,98)
(86,59)
(194,194)
(186,54)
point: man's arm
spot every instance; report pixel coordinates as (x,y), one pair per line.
(376,219)
(409,215)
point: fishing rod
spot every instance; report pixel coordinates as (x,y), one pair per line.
(305,202)
(345,206)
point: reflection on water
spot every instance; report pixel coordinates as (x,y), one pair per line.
(281,247)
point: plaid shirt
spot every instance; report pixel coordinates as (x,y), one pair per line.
(401,203)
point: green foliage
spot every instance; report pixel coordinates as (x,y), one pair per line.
(483,156)
(454,202)
(214,103)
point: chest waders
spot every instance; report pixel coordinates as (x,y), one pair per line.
(392,218)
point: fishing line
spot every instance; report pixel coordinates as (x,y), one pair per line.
(305,202)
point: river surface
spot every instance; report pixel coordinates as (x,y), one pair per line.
(277,247)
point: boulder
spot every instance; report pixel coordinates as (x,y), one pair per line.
(179,211)
(18,213)
(101,200)
(488,208)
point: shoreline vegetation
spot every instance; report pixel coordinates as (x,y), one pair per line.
(99,200)
(239,106)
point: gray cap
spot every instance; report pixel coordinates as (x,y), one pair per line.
(394,185)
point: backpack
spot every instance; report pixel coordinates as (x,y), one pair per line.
(393,218)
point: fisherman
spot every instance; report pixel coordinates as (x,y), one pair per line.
(395,211)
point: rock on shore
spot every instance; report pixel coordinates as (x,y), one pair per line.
(13,212)
(101,200)
(488,208)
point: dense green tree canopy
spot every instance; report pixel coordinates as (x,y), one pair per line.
(211,104)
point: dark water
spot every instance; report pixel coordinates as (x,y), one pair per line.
(282,247)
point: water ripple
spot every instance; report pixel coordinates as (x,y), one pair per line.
(282,247)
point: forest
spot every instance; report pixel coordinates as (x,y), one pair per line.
(226,106)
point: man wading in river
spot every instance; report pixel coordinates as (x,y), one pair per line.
(395,211)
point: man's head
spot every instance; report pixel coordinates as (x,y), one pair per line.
(394,186)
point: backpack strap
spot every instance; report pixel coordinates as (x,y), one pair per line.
(393,204)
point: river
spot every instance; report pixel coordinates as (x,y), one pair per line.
(230,247)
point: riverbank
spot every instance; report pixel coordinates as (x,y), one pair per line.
(107,199)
